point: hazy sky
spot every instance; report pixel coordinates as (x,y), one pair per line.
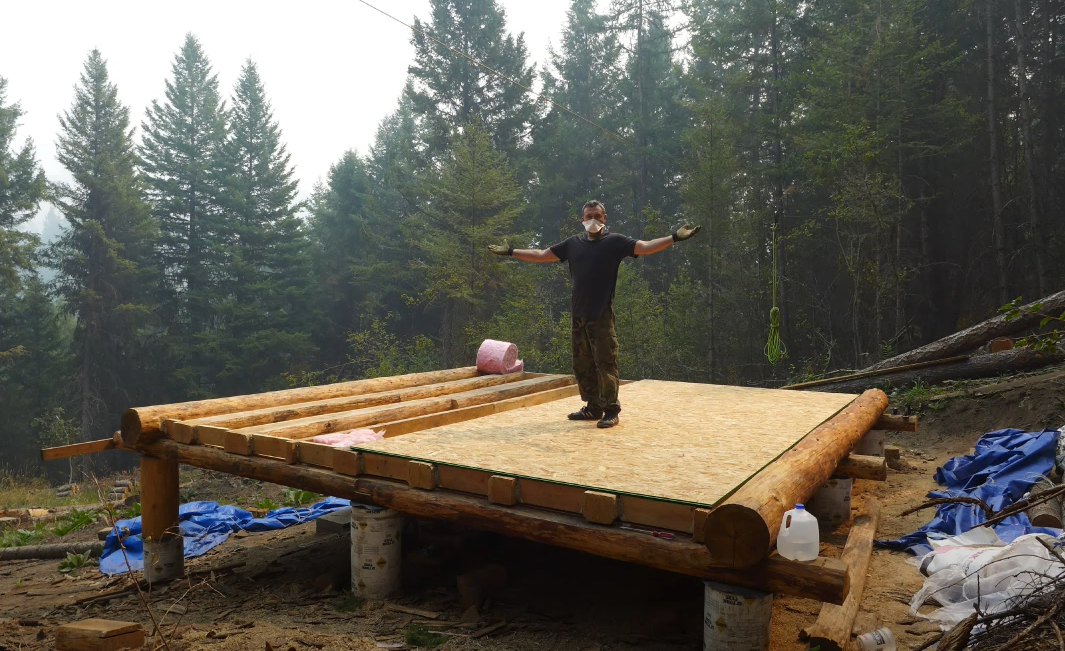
(332,68)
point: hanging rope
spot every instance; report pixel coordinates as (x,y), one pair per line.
(775,350)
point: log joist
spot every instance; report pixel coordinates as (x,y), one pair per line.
(824,579)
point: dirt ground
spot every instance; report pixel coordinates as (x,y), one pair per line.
(285,590)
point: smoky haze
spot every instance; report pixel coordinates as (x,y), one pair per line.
(332,70)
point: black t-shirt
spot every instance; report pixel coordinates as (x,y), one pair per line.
(593,269)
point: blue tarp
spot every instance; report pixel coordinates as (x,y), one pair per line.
(204,526)
(1002,469)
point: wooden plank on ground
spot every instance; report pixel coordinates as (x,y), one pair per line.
(832,630)
(99,635)
(77,449)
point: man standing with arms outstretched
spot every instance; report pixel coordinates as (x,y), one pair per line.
(594,258)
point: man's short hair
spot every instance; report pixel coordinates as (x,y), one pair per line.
(594,203)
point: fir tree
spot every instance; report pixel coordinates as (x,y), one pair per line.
(449,90)
(267,309)
(183,166)
(103,257)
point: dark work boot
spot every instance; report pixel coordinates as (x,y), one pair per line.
(586,413)
(609,419)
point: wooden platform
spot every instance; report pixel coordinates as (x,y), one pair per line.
(691,444)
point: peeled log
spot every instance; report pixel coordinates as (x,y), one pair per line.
(978,335)
(142,424)
(282,413)
(991,364)
(741,532)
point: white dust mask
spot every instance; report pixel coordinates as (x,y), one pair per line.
(593,226)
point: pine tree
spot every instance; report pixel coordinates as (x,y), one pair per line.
(104,256)
(22,188)
(472,203)
(266,311)
(183,166)
(449,90)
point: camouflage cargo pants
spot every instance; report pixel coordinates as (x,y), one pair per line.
(595,361)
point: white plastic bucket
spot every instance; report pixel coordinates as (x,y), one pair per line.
(879,640)
(735,618)
(163,559)
(375,551)
(831,504)
(871,444)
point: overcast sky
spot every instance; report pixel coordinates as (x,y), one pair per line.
(332,68)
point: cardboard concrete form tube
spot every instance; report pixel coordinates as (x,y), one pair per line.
(142,424)
(825,579)
(740,532)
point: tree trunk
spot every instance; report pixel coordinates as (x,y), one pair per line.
(1029,156)
(997,223)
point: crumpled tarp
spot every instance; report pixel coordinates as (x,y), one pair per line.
(204,526)
(1005,465)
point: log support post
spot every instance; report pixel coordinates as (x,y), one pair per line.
(163,545)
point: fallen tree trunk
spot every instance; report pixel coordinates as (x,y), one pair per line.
(59,550)
(979,334)
(740,532)
(1010,361)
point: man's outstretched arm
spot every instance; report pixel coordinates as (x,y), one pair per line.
(654,246)
(528,255)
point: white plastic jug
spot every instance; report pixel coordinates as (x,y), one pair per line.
(799,539)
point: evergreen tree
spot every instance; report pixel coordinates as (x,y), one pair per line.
(267,309)
(449,90)
(103,257)
(22,187)
(184,170)
(473,202)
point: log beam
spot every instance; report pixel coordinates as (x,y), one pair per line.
(832,630)
(894,423)
(142,424)
(741,532)
(862,466)
(825,579)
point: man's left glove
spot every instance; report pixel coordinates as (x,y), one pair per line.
(504,249)
(684,232)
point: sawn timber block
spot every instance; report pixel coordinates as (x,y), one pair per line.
(237,443)
(180,431)
(271,446)
(315,454)
(503,490)
(601,508)
(421,475)
(99,635)
(698,522)
(211,435)
(895,423)
(347,462)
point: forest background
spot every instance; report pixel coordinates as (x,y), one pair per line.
(906,157)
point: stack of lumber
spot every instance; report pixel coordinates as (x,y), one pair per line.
(279,424)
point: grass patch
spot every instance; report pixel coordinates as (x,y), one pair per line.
(420,636)
(351,603)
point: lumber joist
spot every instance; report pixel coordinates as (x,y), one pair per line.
(825,579)
(302,428)
(77,449)
(741,532)
(896,423)
(142,424)
(832,630)
(862,466)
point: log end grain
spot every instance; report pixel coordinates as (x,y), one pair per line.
(131,428)
(736,535)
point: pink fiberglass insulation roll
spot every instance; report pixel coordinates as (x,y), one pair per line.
(347,439)
(498,357)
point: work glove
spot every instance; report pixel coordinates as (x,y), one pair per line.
(502,249)
(684,232)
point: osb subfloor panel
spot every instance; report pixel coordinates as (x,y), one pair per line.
(682,442)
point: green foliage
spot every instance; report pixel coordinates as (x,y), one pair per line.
(73,521)
(297,498)
(74,562)
(266,503)
(350,603)
(21,537)
(132,511)
(418,635)
(188,495)
(22,188)
(378,352)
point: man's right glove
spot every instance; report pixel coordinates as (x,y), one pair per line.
(504,249)
(684,232)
